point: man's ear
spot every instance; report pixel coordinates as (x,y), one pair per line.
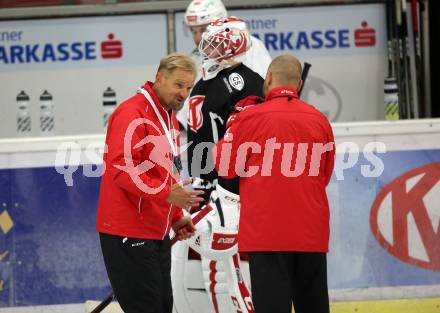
(269,78)
(158,77)
(300,82)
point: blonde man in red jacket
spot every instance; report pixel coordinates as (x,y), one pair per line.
(283,152)
(140,197)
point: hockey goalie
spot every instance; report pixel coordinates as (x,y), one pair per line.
(208,274)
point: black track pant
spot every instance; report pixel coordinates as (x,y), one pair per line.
(139,272)
(279,279)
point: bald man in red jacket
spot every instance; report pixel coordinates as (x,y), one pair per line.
(283,152)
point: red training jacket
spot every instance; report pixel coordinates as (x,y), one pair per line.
(275,149)
(132,203)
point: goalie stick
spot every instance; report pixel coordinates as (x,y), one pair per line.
(391,96)
(104,303)
(304,74)
(410,105)
(400,68)
(415,13)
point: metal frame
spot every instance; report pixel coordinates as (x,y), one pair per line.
(112,8)
(170,7)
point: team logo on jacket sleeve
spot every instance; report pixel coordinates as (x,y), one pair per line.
(236,81)
(195,116)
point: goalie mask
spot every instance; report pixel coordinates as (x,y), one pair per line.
(224,44)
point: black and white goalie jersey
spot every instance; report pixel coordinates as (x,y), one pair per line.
(210,104)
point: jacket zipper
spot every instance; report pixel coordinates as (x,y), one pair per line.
(171,206)
(168,221)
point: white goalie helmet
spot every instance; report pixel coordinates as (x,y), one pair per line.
(224,43)
(202,12)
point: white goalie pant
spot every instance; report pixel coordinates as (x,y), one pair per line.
(217,283)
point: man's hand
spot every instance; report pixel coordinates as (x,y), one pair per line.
(184,228)
(242,105)
(184,198)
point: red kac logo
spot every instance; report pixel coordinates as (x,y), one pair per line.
(195,117)
(405,217)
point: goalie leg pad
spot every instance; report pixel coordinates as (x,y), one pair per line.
(225,284)
(217,286)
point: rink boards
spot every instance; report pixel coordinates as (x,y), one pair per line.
(385,215)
